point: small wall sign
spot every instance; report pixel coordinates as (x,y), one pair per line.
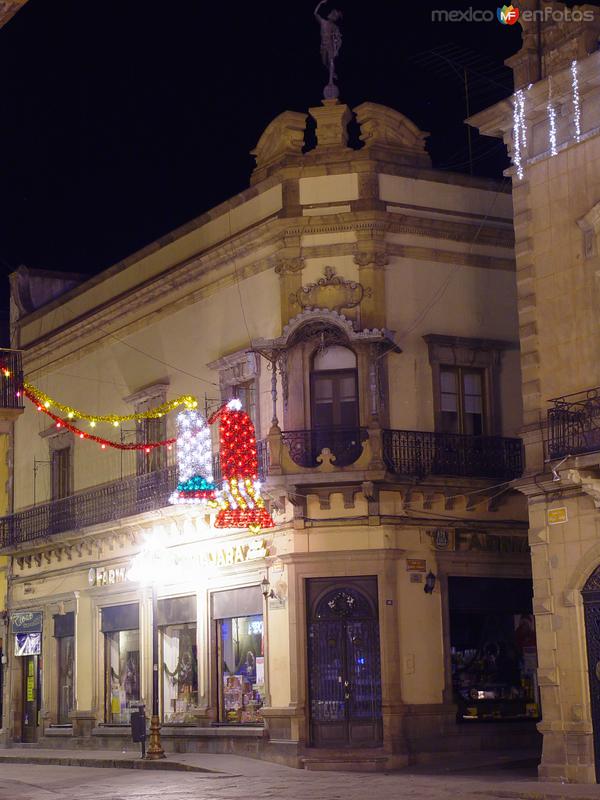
(27,621)
(416,565)
(557,515)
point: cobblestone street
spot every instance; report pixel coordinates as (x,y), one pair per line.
(235,777)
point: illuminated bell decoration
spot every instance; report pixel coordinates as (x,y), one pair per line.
(194,461)
(240,502)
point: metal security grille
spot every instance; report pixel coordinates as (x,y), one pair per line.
(591,605)
(344,670)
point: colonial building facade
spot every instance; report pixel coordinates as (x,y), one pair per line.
(362,307)
(551,126)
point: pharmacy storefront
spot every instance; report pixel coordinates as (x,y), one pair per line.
(82,658)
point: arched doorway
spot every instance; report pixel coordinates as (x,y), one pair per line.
(344,663)
(591,607)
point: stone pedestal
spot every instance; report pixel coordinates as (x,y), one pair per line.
(332,123)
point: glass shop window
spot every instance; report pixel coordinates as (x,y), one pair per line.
(179,657)
(242,661)
(120,626)
(64,633)
(240,653)
(493,646)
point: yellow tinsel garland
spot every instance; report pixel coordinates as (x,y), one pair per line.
(46,401)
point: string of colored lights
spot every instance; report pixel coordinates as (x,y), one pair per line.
(104,443)
(45,400)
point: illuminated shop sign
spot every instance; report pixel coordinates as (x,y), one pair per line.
(180,564)
(101,576)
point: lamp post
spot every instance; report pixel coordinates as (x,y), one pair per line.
(147,568)
(155,750)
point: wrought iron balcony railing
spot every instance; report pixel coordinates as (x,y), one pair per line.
(574,424)
(135,494)
(345,444)
(420,453)
(111,501)
(11,379)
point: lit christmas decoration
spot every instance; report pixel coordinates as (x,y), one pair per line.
(552,129)
(519,132)
(146,446)
(194,461)
(72,413)
(240,502)
(576,106)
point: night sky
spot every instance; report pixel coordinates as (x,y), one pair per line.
(122,119)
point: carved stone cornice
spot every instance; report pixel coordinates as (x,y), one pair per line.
(290,266)
(176,282)
(377,258)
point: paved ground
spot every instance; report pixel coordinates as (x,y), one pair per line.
(237,778)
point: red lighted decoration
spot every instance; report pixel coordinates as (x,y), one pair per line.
(240,502)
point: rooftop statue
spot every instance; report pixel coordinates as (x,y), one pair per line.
(331,42)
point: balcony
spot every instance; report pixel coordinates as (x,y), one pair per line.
(421,453)
(305,446)
(574,424)
(135,494)
(11,384)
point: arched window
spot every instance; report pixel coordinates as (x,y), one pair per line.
(334,388)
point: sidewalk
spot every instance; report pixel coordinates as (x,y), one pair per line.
(479,775)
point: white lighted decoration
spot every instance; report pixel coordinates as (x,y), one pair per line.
(519,132)
(576,106)
(194,461)
(552,129)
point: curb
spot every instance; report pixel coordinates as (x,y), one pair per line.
(108,763)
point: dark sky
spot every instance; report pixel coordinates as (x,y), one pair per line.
(122,119)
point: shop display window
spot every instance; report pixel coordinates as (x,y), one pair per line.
(493,646)
(122,659)
(241,668)
(179,673)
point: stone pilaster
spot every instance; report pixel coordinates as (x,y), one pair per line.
(371,275)
(290,281)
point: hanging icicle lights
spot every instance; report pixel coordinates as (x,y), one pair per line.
(43,399)
(519,132)
(552,129)
(239,499)
(576,106)
(194,461)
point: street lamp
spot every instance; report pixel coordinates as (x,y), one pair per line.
(148,568)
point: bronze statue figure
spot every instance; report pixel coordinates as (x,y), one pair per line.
(331,42)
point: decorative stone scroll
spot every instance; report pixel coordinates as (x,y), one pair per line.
(331,291)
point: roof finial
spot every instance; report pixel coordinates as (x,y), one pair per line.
(331,42)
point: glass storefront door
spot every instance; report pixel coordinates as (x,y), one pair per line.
(66,661)
(64,634)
